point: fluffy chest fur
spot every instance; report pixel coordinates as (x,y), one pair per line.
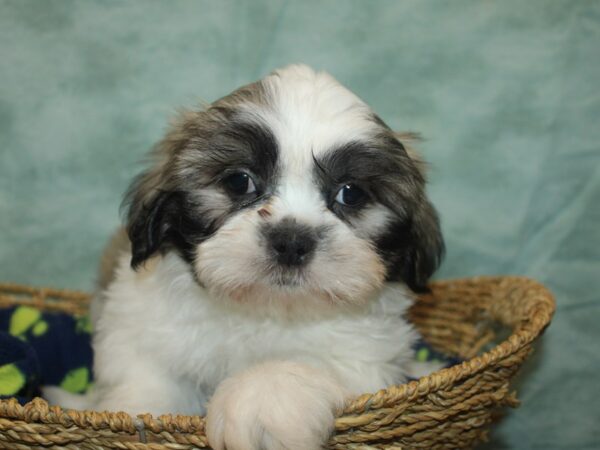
(163,317)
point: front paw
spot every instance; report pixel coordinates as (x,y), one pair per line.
(274,406)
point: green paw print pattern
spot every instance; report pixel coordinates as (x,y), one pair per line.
(26,318)
(11,379)
(423,355)
(76,380)
(83,325)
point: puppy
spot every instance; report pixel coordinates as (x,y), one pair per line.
(269,256)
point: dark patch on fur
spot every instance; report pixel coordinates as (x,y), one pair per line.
(412,246)
(201,149)
(412,250)
(381,168)
(171,221)
(240,145)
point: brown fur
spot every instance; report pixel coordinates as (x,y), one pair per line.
(118,243)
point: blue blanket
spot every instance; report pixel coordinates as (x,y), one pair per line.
(39,348)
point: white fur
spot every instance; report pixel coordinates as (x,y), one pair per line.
(262,407)
(312,110)
(164,345)
(160,332)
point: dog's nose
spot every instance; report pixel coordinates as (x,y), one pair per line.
(291,243)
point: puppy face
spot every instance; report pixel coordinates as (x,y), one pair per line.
(288,191)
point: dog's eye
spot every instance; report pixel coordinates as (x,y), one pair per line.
(351,195)
(240,183)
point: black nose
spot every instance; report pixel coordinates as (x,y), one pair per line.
(291,243)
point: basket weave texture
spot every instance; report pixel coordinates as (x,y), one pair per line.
(449,409)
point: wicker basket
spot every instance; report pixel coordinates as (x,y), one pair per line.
(449,409)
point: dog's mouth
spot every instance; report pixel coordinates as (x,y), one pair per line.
(277,287)
(287,278)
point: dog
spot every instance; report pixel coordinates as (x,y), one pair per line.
(270,252)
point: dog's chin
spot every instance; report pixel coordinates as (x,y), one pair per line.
(288,279)
(289,292)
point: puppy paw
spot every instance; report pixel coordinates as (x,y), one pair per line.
(274,406)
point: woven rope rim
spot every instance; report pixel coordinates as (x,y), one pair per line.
(537,312)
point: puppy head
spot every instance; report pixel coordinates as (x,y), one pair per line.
(288,191)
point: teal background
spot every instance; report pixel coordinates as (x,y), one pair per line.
(506,94)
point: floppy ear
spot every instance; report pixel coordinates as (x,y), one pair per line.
(151,201)
(419,242)
(149,207)
(148,225)
(425,248)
